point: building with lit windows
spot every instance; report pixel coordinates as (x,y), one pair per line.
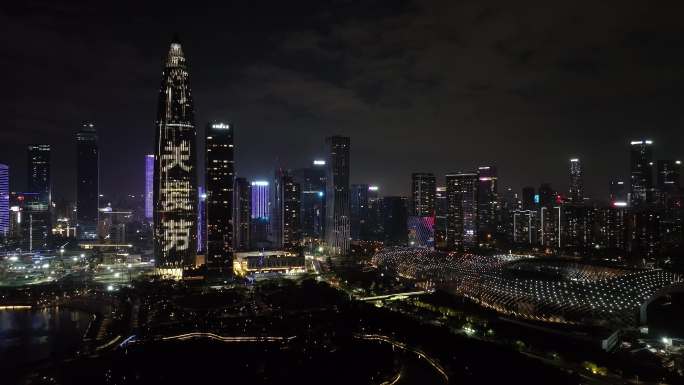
(261,211)
(36,205)
(312,182)
(87,182)
(4,202)
(576,183)
(641,172)
(201,220)
(358,208)
(423,191)
(337,224)
(175,173)
(149,187)
(373,229)
(220,177)
(441,209)
(462,210)
(487,203)
(286,209)
(242,210)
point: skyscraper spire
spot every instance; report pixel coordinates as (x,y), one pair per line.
(175,181)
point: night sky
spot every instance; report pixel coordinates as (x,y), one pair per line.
(418,85)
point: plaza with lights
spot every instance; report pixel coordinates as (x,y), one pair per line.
(535,289)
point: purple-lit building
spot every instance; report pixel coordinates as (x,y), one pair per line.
(149,187)
(260,223)
(4,200)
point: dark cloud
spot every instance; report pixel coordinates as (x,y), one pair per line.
(418,85)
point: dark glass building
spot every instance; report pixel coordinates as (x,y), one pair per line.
(617,193)
(462,210)
(394,220)
(242,199)
(441,210)
(641,172)
(312,181)
(359,211)
(337,224)
(87,182)
(39,172)
(423,192)
(576,184)
(220,166)
(373,229)
(286,211)
(667,180)
(487,202)
(528,202)
(36,205)
(175,173)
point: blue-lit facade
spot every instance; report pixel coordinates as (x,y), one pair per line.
(149,187)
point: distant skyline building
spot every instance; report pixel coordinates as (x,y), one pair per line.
(286,209)
(201,220)
(576,183)
(617,193)
(312,182)
(641,172)
(337,226)
(219,178)
(149,187)
(175,172)
(462,209)
(394,209)
(242,212)
(87,182)
(423,191)
(668,178)
(441,210)
(358,208)
(261,212)
(4,201)
(487,202)
(373,229)
(528,202)
(38,180)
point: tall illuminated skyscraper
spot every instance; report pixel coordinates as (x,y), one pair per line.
(337,230)
(487,202)
(37,209)
(241,214)
(358,209)
(175,173)
(260,214)
(220,178)
(312,181)
(39,172)
(88,182)
(149,187)
(201,220)
(576,185)
(4,201)
(641,172)
(423,191)
(462,210)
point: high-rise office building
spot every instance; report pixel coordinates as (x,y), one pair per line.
(39,172)
(462,210)
(286,210)
(87,182)
(261,211)
(441,210)
(242,199)
(547,196)
(487,202)
(219,177)
(175,173)
(394,212)
(528,202)
(373,229)
(423,191)
(149,187)
(576,184)
(312,181)
(337,195)
(641,172)
(201,220)
(358,208)
(617,193)
(4,202)
(668,176)
(37,204)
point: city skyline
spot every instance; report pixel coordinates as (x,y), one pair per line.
(375,120)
